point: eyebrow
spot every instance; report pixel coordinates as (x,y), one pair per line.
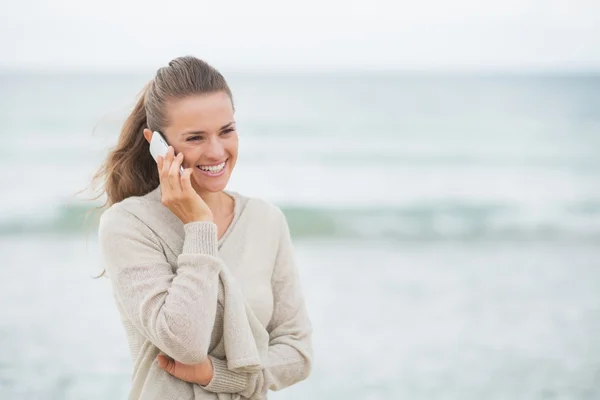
(202,132)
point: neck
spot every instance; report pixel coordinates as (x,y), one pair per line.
(216,201)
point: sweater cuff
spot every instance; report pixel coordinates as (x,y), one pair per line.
(224,380)
(200,237)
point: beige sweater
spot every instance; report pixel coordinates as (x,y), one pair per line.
(167,284)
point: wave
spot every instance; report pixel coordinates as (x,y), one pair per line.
(438,221)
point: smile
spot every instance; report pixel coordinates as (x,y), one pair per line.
(212,170)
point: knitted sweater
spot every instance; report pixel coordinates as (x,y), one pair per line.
(165,282)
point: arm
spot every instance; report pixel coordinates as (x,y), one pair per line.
(174,310)
(290,345)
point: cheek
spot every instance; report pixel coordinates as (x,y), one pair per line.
(233,155)
(189,157)
(232,147)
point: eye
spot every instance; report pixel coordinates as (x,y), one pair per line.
(227,131)
(192,138)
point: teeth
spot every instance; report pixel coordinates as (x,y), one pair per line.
(214,168)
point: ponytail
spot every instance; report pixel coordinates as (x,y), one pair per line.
(129,169)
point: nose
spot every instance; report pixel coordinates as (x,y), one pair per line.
(214,150)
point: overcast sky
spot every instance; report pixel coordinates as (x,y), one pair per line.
(306,34)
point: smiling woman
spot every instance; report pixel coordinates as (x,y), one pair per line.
(204,278)
(195,129)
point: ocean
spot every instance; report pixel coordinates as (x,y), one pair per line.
(447,229)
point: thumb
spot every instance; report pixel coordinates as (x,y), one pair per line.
(165,363)
(178,370)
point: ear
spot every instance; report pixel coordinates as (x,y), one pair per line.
(148,134)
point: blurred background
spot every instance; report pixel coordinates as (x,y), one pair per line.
(437,161)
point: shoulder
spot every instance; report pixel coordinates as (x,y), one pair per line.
(131,211)
(263,213)
(261,208)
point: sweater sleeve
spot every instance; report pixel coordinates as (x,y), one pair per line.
(175,310)
(289,357)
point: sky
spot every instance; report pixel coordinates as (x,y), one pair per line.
(303,35)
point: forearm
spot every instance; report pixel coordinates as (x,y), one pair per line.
(174,310)
(289,356)
(285,367)
(289,360)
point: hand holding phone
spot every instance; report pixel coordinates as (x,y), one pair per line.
(177,193)
(159,147)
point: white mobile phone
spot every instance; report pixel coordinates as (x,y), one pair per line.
(159,147)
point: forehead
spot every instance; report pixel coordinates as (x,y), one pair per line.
(202,112)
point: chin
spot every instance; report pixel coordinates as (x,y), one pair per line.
(217,185)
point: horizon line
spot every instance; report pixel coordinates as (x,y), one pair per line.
(255,71)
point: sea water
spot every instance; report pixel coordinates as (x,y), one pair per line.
(446,229)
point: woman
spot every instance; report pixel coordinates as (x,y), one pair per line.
(203,277)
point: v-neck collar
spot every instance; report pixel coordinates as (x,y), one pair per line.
(239,204)
(238,207)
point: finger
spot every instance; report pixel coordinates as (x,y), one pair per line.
(186,180)
(162,361)
(167,364)
(178,370)
(168,160)
(165,164)
(160,160)
(174,175)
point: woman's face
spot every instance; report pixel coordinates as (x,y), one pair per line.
(202,127)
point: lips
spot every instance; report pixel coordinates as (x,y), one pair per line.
(213,167)
(213,170)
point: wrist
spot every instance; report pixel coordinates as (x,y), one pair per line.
(205,372)
(206,218)
(226,381)
(200,238)
(201,218)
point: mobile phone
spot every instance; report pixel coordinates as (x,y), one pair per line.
(159,147)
